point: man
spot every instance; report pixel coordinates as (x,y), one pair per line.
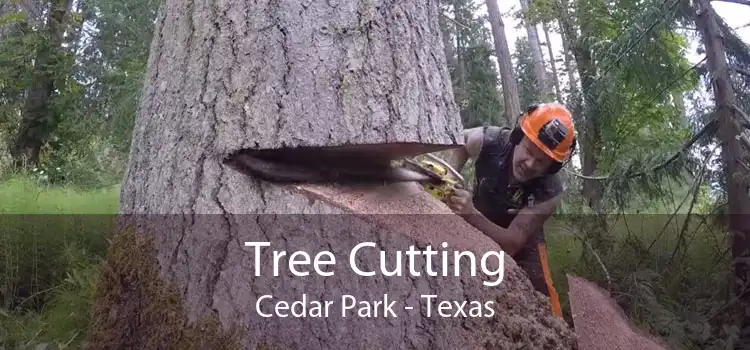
(517,185)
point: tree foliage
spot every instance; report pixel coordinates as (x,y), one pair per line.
(475,78)
(528,87)
(97,74)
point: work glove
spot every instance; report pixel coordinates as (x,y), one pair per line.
(460,202)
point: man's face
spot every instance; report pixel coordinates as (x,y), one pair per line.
(529,161)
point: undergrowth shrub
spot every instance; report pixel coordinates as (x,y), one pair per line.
(51,241)
(63,320)
(671,278)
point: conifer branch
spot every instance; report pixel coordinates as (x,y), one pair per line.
(741,71)
(708,127)
(741,2)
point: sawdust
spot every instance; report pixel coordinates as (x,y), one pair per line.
(600,323)
(525,319)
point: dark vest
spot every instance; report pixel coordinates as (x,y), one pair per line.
(493,196)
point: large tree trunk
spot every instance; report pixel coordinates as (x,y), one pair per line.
(510,85)
(737,177)
(228,76)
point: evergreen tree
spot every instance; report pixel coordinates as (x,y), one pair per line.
(529,90)
(475,78)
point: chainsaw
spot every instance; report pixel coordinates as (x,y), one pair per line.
(320,165)
(447,179)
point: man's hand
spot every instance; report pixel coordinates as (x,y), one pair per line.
(460,202)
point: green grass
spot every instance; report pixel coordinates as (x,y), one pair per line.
(25,196)
(48,266)
(52,240)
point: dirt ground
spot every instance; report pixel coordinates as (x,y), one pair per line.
(600,323)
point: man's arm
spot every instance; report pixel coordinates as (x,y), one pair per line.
(528,222)
(473,139)
(531,220)
(461,201)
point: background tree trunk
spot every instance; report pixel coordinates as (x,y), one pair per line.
(460,70)
(233,76)
(536,54)
(508,80)
(569,67)
(737,177)
(38,116)
(448,45)
(553,64)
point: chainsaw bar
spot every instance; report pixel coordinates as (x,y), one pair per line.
(327,170)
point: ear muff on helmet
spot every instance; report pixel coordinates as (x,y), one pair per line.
(517,135)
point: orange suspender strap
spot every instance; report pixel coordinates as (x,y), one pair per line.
(556,309)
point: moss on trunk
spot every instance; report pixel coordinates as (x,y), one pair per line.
(135,308)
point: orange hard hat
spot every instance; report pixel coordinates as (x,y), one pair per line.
(550,127)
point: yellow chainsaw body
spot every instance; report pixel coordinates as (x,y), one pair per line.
(441,191)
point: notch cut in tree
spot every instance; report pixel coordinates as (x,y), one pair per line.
(229,76)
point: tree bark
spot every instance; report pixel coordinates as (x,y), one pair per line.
(232,76)
(508,80)
(368,75)
(737,177)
